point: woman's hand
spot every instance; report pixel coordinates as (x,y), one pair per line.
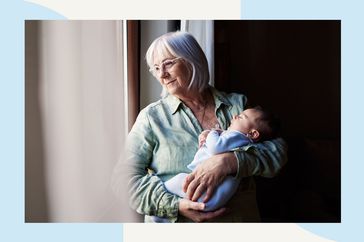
(208,175)
(194,211)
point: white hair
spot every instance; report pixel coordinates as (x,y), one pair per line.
(182,45)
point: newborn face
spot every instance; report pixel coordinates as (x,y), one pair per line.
(245,121)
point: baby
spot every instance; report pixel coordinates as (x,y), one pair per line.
(250,126)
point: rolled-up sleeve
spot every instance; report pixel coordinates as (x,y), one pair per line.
(146,191)
(262,159)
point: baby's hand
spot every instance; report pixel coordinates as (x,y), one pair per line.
(217,128)
(202,138)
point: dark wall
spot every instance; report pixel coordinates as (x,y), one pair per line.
(293,69)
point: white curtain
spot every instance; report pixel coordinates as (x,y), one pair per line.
(203,31)
(81,100)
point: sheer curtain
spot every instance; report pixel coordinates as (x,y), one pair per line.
(75,120)
(203,31)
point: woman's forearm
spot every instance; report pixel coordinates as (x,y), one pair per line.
(265,159)
(262,159)
(229,162)
(148,196)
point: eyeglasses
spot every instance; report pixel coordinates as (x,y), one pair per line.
(166,65)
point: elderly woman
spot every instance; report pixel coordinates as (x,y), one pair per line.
(164,139)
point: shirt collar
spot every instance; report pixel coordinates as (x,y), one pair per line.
(173,102)
(219,99)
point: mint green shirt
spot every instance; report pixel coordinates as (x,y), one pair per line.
(164,140)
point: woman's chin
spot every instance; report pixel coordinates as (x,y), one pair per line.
(172,91)
(172,88)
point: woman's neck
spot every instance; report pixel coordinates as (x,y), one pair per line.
(196,100)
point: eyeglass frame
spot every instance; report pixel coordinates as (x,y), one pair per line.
(162,66)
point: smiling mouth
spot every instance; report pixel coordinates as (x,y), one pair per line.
(170,82)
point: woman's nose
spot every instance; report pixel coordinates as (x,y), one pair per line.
(163,73)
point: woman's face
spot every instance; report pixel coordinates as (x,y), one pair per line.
(173,74)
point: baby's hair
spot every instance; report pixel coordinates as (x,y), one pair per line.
(271,124)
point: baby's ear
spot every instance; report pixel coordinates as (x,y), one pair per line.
(254,134)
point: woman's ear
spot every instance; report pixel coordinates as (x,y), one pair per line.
(254,134)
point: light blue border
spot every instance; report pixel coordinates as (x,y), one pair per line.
(13,14)
(13,228)
(352,79)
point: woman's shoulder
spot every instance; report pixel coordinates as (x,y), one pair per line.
(159,107)
(151,108)
(147,114)
(233,98)
(152,105)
